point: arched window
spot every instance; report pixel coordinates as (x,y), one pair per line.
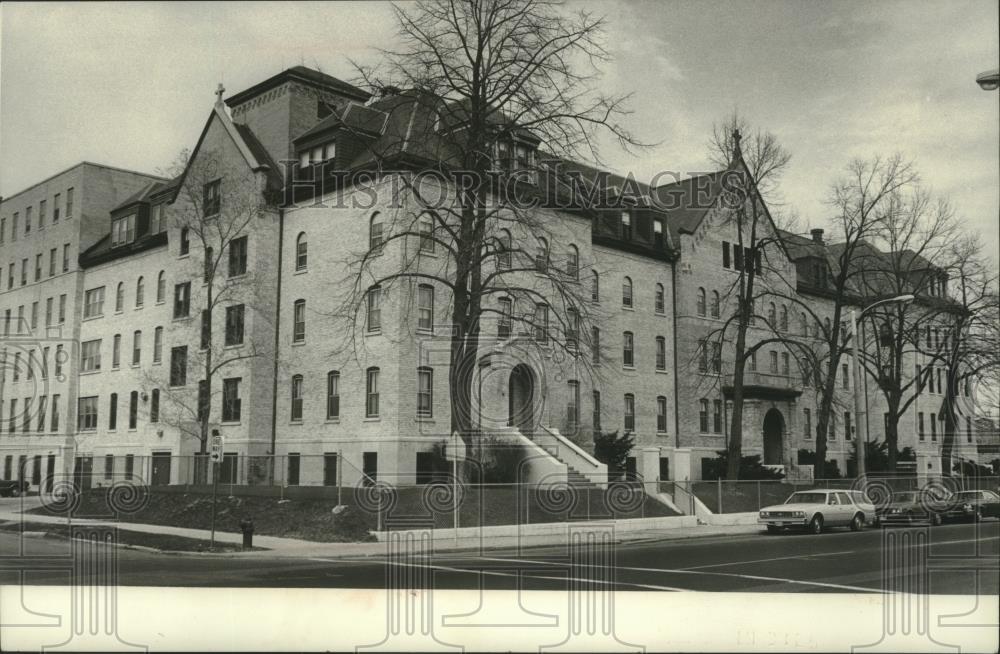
(371,392)
(185,241)
(629,412)
(425,307)
(299,320)
(373,319)
(595,286)
(120,296)
(161,287)
(504,255)
(375,239)
(703,416)
(136,347)
(661,353)
(573,263)
(542,257)
(803,324)
(301,251)
(716,309)
(772,316)
(296,398)
(426,228)
(541,322)
(701,302)
(140,292)
(333,395)
(827,325)
(885,334)
(572,328)
(628,349)
(627,292)
(661,414)
(784,318)
(425,392)
(658,301)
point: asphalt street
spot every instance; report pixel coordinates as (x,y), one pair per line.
(950,559)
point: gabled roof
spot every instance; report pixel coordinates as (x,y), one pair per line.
(687,201)
(305,76)
(246,143)
(356,117)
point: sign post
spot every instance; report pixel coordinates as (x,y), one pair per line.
(215,456)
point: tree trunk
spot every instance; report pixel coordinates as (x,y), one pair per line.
(892,433)
(734,452)
(823,420)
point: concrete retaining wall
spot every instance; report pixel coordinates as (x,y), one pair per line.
(518,533)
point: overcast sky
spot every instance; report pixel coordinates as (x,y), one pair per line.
(132,84)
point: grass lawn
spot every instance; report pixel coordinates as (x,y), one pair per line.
(165,542)
(413,507)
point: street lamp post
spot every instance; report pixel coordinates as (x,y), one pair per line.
(863,446)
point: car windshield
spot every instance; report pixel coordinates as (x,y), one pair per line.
(807,498)
(967,495)
(904,497)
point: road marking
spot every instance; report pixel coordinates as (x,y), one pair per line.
(720,574)
(522,573)
(777,558)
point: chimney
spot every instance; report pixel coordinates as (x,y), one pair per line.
(817,235)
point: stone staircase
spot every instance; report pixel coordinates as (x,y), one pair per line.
(573,476)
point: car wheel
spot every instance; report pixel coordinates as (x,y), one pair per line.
(978,517)
(15,492)
(771,529)
(816,524)
(857,522)
(935,519)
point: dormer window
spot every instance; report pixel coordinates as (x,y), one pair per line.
(317,154)
(658,234)
(626,225)
(510,157)
(123,231)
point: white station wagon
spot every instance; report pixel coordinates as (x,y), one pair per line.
(817,509)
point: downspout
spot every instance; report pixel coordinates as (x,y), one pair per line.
(673,302)
(277,335)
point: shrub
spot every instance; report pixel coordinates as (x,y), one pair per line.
(750,468)
(501,460)
(830,471)
(612,450)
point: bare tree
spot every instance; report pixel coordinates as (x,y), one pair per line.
(490,82)
(913,231)
(748,175)
(215,208)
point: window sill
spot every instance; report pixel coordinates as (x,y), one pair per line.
(300,271)
(661,371)
(180,318)
(230,423)
(88,319)
(373,419)
(625,308)
(184,255)
(332,421)
(232,346)
(295,423)
(298,343)
(138,308)
(426,420)
(89,372)
(374,332)
(624,367)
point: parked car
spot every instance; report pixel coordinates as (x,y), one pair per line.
(13,487)
(972,505)
(906,507)
(816,510)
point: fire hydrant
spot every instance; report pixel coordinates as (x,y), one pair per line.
(246,526)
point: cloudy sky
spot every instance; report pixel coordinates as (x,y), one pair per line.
(131,85)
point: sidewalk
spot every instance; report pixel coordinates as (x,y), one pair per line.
(292,547)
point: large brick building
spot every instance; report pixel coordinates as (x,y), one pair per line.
(303,393)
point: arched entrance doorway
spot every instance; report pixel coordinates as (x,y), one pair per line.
(774,429)
(520,399)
